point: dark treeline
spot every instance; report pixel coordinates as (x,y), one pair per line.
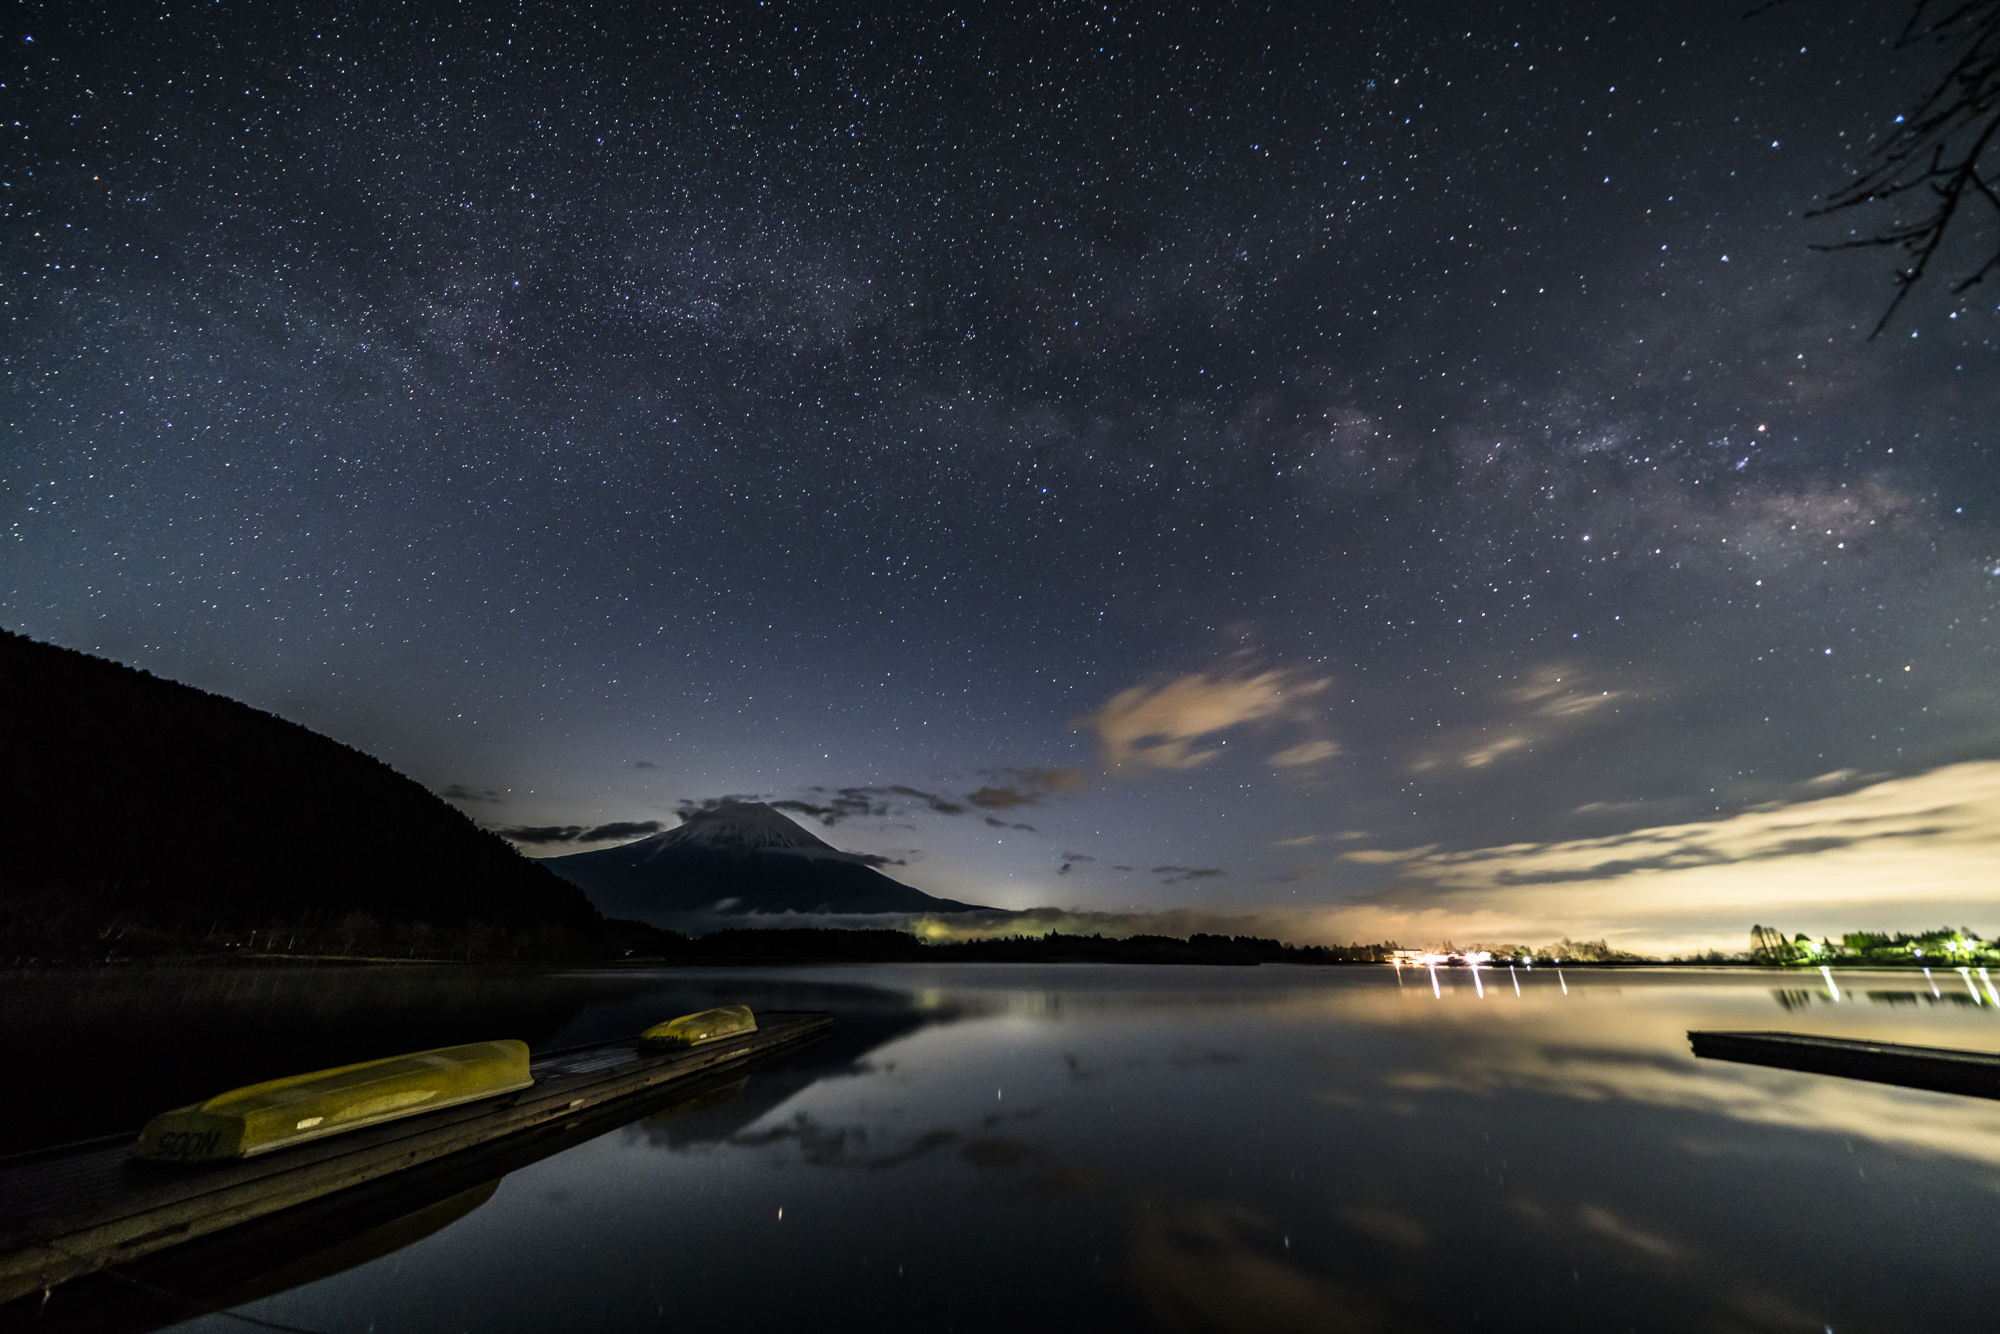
(70,928)
(1206,949)
(360,937)
(902,947)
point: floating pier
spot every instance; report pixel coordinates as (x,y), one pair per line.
(76,1209)
(1975,1074)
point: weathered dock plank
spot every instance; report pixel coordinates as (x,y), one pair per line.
(67,1214)
(1940,1069)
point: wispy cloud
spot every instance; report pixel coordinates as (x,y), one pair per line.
(617,830)
(1171,726)
(1385,856)
(1026,787)
(1007,790)
(1553,702)
(1895,853)
(1306,752)
(1898,853)
(540,834)
(621,829)
(832,805)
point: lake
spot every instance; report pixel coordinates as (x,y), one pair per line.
(1083,1146)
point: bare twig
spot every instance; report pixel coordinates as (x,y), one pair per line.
(1939,147)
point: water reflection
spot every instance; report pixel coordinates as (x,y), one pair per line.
(1793,998)
(1220,1265)
(370,1244)
(181,1034)
(1271,1149)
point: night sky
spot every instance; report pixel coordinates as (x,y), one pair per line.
(1383,471)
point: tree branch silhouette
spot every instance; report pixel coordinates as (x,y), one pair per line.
(1938,149)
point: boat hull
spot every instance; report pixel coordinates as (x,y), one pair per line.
(281,1112)
(691,1030)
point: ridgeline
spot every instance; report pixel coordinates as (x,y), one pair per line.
(152,819)
(146,816)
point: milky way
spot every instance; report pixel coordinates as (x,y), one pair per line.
(1270,451)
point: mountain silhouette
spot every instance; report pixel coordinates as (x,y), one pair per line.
(740,857)
(133,797)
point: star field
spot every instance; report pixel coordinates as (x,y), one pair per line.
(1436,417)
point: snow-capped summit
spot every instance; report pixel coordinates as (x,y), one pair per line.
(738,857)
(742,825)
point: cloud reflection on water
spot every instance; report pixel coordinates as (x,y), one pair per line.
(1219,1265)
(1256,1149)
(1637,1051)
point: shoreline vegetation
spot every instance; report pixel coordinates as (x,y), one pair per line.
(1944,947)
(258,840)
(30,939)
(347,940)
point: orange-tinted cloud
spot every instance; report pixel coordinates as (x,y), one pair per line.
(1164,727)
(1027,787)
(1903,853)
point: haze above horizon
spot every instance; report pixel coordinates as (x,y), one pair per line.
(1389,480)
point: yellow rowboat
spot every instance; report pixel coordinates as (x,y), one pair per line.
(728,1021)
(282,1112)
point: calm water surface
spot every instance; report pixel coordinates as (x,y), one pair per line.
(1019,1147)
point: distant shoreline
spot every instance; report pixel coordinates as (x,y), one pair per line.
(246,960)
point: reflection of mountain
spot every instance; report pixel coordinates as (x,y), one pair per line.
(863,1028)
(741,857)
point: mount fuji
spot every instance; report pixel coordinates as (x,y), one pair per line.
(740,857)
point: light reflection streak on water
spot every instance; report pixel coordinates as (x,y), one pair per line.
(1434,983)
(1633,1049)
(1984,977)
(1478,985)
(1515,978)
(1966,973)
(1933,981)
(905,1151)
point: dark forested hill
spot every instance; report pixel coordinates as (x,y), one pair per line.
(129,797)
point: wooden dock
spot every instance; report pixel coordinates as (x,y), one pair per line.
(74,1210)
(1975,1074)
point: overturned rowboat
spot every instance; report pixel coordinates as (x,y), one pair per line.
(282,1112)
(71,1210)
(691,1030)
